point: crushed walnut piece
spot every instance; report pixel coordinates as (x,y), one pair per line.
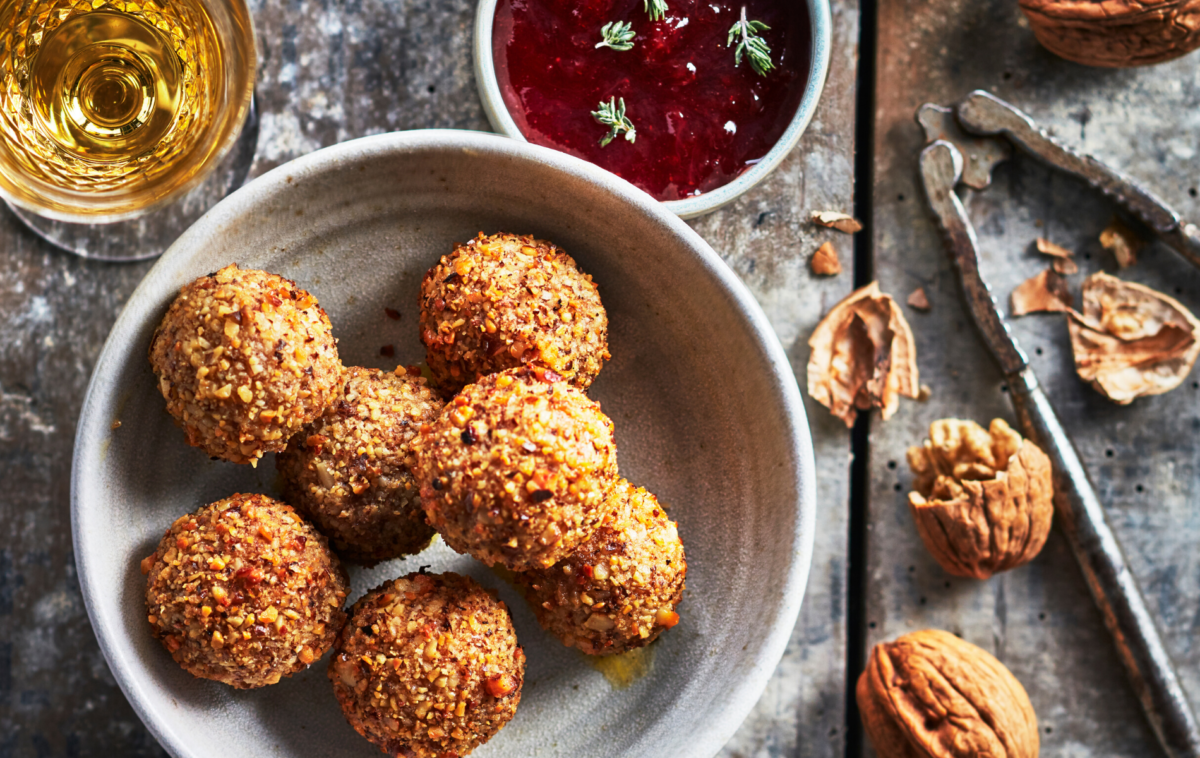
(245,592)
(919,300)
(1130,340)
(1122,242)
(428,666)
(863,356)
(1045,293)
(837,220)
(619,590)
(1063,259)
(983,498)
(825,261)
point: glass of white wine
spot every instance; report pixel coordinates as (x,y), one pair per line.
(113,113)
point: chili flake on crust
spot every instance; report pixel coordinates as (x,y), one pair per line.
(504,301)
(428,666)
(619,590)
(350,471)
(517,469)
(243,591)
(245,359)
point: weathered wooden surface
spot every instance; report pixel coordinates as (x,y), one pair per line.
(1144,458)
(332,71)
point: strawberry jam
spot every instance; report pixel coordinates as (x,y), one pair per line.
(700,120)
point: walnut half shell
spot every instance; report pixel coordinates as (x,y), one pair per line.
(931,694)
(1115,33)
(863,356)
(984,497)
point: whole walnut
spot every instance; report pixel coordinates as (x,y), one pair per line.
(1115,33)
(984,497)
(931,694)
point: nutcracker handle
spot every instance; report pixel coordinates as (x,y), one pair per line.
(1116,591)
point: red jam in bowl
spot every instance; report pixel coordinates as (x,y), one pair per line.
(700,121)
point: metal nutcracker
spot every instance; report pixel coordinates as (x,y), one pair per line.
(961,150)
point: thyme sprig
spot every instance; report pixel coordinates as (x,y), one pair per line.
(656,8)
(750,44)
(612,115)
(618,35)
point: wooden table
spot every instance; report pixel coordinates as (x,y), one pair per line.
(335,71)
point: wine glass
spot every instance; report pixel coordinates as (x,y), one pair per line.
(115,115)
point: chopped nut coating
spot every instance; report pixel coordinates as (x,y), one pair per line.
(504,301)
(350,471)
(618,591)
(476,463)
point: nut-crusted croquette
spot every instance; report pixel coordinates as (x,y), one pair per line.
(517,468)
(428,666)
(243,591)
(619,590)
(504,301)
(350,471)
(245,359)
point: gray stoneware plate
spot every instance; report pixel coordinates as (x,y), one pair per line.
(707,412)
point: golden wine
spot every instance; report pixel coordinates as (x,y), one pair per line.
(108,106)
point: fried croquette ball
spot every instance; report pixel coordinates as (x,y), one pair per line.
(618,591)
(517,468)
(428,666)
(245,592)
(350,471)
(245,359)
(504,301)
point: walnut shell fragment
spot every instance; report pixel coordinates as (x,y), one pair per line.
(984,498)
(1115,33)
(919,300)
(1122,242)
(1045,293)
(1062,259)
(837,220)
(825,261)
(1131,340)
(931,694)
(863,356)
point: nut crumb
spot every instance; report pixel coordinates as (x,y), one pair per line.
(1122,242)
(919,300)
(837,220)
(825,261)
(1045,293)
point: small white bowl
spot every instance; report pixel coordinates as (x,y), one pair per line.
(821,25)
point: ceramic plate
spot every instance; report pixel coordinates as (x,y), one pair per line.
(706,408)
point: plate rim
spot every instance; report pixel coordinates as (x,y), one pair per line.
(90,427)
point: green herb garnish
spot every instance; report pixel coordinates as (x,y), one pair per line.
(750,44)
(612,115)
(618,35)
(656,8)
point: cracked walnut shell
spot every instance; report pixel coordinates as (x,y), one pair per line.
(984,497)
(1115,33)
(863,356)
(931,694)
